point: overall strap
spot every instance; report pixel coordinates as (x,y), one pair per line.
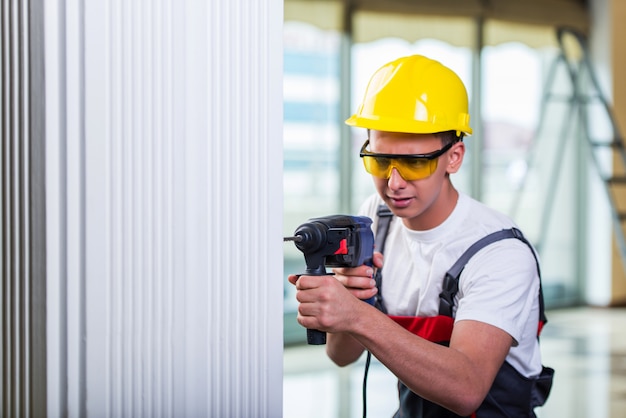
(384,215)
(451,280)
(384,219)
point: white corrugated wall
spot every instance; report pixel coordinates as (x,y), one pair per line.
(164,207)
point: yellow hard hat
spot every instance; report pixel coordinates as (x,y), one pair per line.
(414,94)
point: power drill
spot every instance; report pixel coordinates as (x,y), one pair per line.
(334,241)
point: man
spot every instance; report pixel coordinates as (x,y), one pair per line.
(415,111)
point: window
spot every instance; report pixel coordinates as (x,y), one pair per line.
(529,161)
(311,141)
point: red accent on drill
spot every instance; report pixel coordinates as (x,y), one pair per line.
(343,247)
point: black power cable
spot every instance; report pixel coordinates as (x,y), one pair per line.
(367,367)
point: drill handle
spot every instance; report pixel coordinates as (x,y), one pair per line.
(316,270)
(372,300)
(315,337)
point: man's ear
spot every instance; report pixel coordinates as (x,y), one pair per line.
(455,157)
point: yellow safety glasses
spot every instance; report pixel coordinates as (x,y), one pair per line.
(410,166)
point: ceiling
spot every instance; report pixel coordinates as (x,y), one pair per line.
(529,21)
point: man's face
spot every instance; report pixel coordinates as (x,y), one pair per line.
(426,202)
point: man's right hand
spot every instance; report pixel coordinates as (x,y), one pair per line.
(360,280)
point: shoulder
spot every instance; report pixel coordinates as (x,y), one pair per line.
(479,221)
(504,256)
(484,216)
(509,261)
(507,254)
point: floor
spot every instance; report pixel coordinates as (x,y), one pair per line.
(586,347)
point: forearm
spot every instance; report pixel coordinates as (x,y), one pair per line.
(448,376)
(457,377)
(343,349)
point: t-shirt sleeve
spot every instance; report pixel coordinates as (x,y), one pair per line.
(499,286)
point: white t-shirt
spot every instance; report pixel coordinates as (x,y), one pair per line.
(499,285)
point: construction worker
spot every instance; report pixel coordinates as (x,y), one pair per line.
(479,356)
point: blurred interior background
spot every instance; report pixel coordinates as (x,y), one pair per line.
(546,104)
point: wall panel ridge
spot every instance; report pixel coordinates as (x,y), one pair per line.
(22,209)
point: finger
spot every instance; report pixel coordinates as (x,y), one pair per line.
(313,282)
(358,282)
(378,259)
(364,293)
(311,302)
(333,316)
(306,297)
(293,278)
(312,314)
(363,270)
(307,321)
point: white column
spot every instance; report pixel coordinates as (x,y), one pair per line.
(165,207)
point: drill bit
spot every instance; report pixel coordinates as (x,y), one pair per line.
(297,238)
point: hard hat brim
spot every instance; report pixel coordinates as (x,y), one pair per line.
(404,126)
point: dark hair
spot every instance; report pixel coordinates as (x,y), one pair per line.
(448,137)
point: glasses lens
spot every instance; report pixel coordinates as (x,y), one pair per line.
(416,168)
(377,166)
(409,168)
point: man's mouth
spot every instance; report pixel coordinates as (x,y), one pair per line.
(400,201)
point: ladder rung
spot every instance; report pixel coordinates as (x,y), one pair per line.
(559,97)
(616,180)
(621,216)
(589,98)
(613,144)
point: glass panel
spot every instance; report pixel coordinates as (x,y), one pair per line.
(530,159)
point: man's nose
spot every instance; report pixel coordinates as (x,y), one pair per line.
(396,181)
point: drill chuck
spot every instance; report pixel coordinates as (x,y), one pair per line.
(313,237)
